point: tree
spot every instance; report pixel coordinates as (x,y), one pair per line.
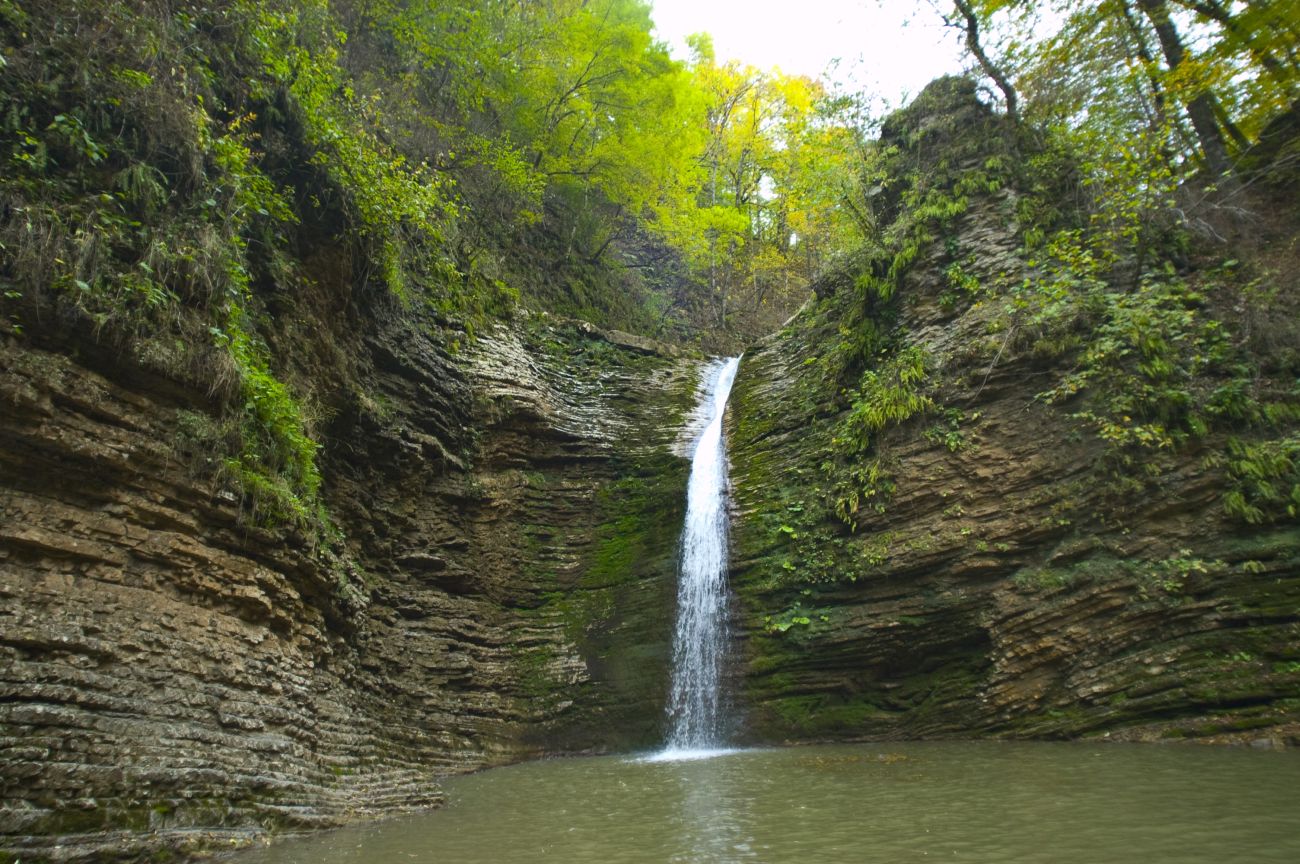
(1209,102)
(1199,101)
(775,162)
(970,23)
(1262,29)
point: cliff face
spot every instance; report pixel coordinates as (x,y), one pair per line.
(495,576)
(1004,590)
(1012,573)
(174,674)
(279,543)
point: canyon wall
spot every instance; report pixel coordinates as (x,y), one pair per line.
(176,675)
(494,576)
(1006,588)
(1016,553)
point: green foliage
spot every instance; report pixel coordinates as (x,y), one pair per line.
(277,466)
(949,432)
(570,120)
(763,211)
(860,483)
(1146,353)
(445,148)
(886,396)
(1162,579)
(402,210)
(141,207)
(1157,372)
(1264,480)
(801,618)
(795,616)
(962,286)
(1105,70)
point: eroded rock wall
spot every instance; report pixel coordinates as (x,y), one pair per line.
(1008,571)
(174,675)
(1001,590)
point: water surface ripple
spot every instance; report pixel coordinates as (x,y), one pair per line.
(971,802)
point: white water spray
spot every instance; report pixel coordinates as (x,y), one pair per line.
(699,643)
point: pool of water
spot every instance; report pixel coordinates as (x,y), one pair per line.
(968,802)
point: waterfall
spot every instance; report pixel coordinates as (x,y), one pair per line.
(700,640)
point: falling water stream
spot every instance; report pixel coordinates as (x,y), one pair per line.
(979,802)
(700,639)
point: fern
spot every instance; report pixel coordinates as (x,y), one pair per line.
(1264,479)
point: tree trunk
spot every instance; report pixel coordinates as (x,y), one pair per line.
(990,69)
(1200,105)
(1174,122)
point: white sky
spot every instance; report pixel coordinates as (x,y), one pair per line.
(889,48)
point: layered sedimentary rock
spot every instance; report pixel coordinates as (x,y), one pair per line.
(497,578)
(1017,580)
(175,675)
(1001,590)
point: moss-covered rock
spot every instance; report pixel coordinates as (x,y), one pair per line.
(995,559)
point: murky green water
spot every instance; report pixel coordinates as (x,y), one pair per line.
(970,802)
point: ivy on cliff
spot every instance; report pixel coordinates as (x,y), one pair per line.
(173,171)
